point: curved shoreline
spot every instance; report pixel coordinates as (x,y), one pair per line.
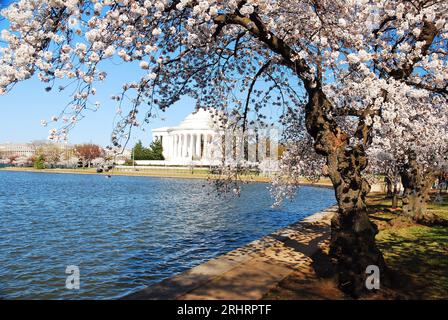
(161,173)
(248,272)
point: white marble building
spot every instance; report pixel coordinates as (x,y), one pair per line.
(193,141)
(198,141)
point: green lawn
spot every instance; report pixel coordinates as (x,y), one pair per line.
(419,253)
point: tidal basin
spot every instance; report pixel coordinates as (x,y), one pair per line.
(125,233)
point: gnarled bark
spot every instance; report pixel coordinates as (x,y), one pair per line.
(352,233)
(417,183)
(395,198)
(352,245)
(392,190)
(389,188)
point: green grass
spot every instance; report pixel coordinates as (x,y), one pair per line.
(419,253)
(440,209)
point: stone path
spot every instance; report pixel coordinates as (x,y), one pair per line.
(249,272)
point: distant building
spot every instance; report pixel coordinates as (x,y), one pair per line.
(200,140)
(190,141)
(17,150)
(27,150)
(118,158)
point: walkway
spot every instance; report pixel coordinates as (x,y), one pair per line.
(249,272)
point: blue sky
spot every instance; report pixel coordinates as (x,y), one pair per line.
(22,109)
(5,2)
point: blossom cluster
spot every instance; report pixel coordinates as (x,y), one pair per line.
(381,64)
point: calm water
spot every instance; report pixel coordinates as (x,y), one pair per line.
(124,233)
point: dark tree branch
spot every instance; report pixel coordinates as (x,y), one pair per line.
(251,87)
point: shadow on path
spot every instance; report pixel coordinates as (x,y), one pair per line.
(252,271)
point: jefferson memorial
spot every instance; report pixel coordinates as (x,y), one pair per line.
(193,141)
(200,140)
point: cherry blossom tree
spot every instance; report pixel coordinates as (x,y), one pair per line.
(382,163)
(347,58)
(406,50)
(413,148)
(299,159)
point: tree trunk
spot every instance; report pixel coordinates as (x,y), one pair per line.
(417,184)
(392,180)
(388,182)
(352,234)
(395,199)
(352,245)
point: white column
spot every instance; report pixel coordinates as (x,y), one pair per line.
(206,147)
(187,146)
(193,145)
(239,146)
(167,140)
(209,147)
(171,147)
(178,146)
(166,146)
(174,146)
(212,148)
(198,145)
(191,153)
(183,145)
(201,148)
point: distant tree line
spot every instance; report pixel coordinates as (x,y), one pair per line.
(49,156)
(88,152)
